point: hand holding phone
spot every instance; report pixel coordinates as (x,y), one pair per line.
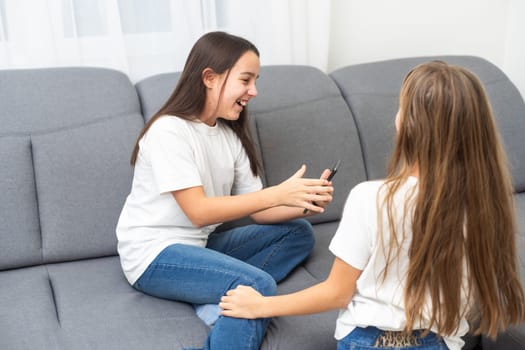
(333,171)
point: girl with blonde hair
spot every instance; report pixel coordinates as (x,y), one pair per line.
(431,249)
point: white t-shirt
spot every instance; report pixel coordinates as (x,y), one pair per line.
(176,154)
(376,303)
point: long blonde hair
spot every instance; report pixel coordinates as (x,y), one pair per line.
(463,212)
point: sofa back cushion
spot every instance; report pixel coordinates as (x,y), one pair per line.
(66,137)
(301,118)
(154,91)
(372,89)
(20,242)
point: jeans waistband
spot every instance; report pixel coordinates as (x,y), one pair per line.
(381,338)
(396,339)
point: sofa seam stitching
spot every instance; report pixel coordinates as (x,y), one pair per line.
(53,296)
(37,201)
(70,127)
(275,109)
(346,99)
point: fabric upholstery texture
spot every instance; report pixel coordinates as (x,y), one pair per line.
(66,136)
(20,243)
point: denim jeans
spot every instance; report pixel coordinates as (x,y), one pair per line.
(253,255)
(364,339)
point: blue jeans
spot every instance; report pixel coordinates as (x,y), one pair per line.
(253,255)
(365,338)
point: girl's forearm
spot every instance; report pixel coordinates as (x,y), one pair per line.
(287,200)
(333,293)
(318,298)
(279,214)
(203,211)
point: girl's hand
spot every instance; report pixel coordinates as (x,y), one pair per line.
(304,192)
(241,302)
(325,175)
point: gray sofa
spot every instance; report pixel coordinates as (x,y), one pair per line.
(66,136)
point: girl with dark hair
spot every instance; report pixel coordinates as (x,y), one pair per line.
(196,167)
(431,248)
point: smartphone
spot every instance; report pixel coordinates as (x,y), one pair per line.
(333,171)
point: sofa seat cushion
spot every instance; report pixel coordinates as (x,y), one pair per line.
(310,332)
(89,304)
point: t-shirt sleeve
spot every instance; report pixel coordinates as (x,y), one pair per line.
(171,156)
(353,240)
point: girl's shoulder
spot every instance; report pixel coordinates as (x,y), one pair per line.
(376,185)
(374,189)
(169,121)
(367,187)
(364,194)
(170,125)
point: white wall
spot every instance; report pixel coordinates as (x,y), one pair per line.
(514,58)
(371,30)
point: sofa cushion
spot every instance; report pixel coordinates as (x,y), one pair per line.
(97,308)
(20,242)
(301,118)
(320,260)
(89,305)
(154,92)
(38,100)
(72,192)
(311,332)
(28,314)
(79,126)
(372,89)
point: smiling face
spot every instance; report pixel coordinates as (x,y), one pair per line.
(229,93)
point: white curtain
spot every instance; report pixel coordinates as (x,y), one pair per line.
(146,37)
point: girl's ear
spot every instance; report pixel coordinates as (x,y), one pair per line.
(209,78)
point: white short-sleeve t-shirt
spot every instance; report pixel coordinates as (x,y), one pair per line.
(175,154)
(376,302)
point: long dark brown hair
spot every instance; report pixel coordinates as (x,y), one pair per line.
(218,51)
(463,223)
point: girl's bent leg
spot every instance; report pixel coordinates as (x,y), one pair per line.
(202,276)
(276,249)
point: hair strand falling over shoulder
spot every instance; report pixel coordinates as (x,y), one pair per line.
(463,225)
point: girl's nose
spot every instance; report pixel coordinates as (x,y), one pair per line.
(252,91)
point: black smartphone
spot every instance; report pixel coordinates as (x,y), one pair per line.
(333,171)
